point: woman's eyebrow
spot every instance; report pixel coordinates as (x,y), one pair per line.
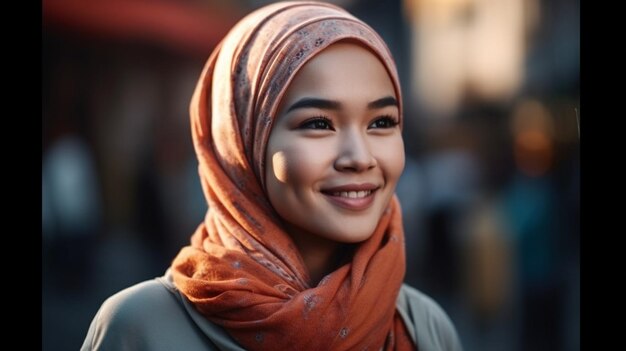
(324,104)
(308,102)
(383,102)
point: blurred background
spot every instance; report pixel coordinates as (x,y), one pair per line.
(490,193)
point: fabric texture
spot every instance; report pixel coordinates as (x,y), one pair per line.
(154,316)
(242,270)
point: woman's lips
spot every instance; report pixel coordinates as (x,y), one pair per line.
(355,197)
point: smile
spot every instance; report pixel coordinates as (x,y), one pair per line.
(352,197)
(352,194)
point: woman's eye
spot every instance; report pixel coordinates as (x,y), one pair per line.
(384,122)
(317,123)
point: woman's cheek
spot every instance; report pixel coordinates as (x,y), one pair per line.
(390,156)
(280,166)
(302,162)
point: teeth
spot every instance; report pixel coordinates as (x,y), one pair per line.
(353,194)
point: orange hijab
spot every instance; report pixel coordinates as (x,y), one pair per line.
(242,270)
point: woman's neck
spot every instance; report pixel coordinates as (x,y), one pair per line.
(320,255)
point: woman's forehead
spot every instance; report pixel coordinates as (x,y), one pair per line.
(342,71)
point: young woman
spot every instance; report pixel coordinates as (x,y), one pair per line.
(296,122)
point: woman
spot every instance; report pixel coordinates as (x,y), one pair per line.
(296,121)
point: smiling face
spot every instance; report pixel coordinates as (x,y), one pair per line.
(335,152)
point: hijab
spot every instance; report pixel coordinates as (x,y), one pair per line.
(242,270)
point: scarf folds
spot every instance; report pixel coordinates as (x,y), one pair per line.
(242,270)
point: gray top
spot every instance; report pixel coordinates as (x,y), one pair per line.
(154,315)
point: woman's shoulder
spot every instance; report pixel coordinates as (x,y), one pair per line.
(428,324)
(146,316)
(138,303)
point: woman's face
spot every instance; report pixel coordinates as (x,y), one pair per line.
(335,152)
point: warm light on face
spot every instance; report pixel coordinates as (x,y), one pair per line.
(279,161)
(335,152)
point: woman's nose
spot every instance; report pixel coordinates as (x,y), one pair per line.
(354,153)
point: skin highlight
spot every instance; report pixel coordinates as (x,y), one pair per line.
(335,153)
